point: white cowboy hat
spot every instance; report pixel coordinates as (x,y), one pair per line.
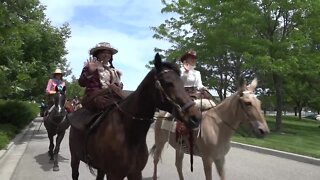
(57,71)
(103,45)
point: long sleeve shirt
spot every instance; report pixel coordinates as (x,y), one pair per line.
(191,78)
(52,83)
(99,79)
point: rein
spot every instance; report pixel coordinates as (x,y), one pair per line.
(132,116)
(163,92)
(231,127)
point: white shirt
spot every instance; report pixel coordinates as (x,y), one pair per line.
(191,78)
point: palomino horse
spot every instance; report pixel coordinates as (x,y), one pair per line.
(51,123)
(117,148)
(217,126)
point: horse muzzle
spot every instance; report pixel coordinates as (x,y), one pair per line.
(259,130)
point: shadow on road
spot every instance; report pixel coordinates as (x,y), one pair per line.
(43,160)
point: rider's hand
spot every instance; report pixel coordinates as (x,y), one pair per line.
(92,64)
(51,92)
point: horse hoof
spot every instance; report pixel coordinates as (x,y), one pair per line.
(55,168)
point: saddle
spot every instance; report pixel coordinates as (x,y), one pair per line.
(84,119)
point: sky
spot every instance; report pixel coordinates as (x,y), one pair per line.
(125,24)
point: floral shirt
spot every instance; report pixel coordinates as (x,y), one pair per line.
(52,83)
(99,79)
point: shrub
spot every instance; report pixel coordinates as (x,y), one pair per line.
(17,113)
(7,132)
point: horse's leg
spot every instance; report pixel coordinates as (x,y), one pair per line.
(59,138)
(135,176)
(160,141)
(220,168)
(100,175)
(179,159)
(75,161)
(51,145)
(207,167)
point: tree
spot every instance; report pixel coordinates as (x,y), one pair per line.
(74,89)
(31,48)
(234,39)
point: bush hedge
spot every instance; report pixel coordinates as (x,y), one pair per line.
(14,116)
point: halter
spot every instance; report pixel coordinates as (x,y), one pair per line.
(242,105)
(163,93)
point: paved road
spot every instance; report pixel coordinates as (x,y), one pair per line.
(241,164)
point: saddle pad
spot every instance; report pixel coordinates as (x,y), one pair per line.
(169,125)
(81,118)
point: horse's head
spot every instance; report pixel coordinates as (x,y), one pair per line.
(251,107)
(59,101)
(171,95)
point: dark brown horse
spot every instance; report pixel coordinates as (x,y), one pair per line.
(51,123)
(118,147)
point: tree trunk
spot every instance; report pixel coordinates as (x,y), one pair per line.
(295,111)
(300,109)
(279,101)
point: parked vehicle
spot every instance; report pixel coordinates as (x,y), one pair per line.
(313,117)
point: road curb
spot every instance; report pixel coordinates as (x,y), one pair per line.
(282,154)
(17,138)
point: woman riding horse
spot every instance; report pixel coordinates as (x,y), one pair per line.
(100,78)
(55,81)
(191,77)
(117,147)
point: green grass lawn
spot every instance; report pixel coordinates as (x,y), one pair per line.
(298,136)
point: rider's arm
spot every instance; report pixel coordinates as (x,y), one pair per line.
(84,77)
(198,82)
(49,87)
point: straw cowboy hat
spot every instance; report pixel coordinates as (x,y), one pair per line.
(190,53)
(57,71)
(103,45)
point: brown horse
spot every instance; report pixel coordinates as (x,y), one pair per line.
(217,126)
(118,146)
(51,123)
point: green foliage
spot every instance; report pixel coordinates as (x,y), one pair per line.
(277,41)
(14,116)
(7,132)
(17,113)
(74,89)
(30,49)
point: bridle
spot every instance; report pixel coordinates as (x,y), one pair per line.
(163,95)
(167,97)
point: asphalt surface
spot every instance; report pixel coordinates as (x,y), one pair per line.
(27,159)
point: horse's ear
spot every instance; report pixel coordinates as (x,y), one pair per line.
(253,85)
(242,86)
(157,61)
